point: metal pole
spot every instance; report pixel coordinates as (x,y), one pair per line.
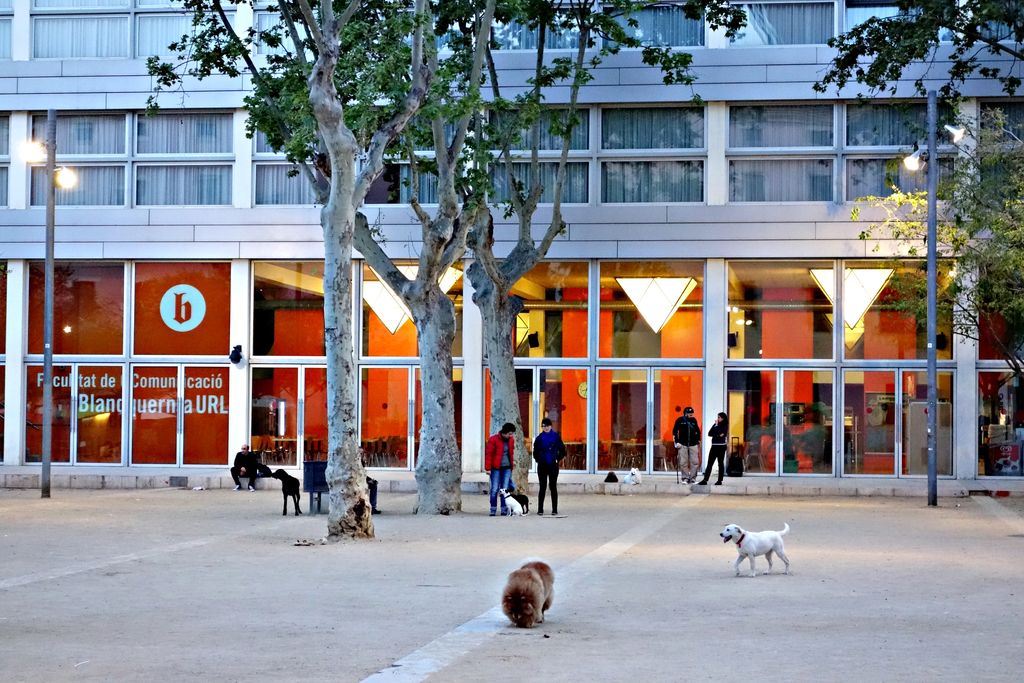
(51,201)
(933,181)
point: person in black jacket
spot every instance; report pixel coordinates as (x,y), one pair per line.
(246,465)
(548,451)
(686,434)
(719,434)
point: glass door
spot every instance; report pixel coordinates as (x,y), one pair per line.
(274,416)
(807,421)
(385,412)
(674,391)
(752,401)
(314,414)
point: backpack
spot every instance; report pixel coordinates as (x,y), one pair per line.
(734,466)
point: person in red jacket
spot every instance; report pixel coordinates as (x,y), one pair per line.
(498,460)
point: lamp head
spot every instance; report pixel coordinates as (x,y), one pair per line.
(65,178)
(956,133)
(33,151)
(915,161)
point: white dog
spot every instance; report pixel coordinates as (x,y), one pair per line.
(633,477)
(513,505)
(750,544)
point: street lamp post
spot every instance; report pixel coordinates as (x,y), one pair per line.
(51,203)
(933,181)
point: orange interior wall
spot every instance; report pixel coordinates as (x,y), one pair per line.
(383,343)
(385,403)
(574,412)
(678,390)
(682,335)
(298,332)
(787,333)
(889,334)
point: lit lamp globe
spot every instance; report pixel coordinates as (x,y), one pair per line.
(33,152)
(65,178)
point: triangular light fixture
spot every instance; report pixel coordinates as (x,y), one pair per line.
(388,306)
(861,286)
(657,298)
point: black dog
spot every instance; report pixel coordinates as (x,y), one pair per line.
(289,488)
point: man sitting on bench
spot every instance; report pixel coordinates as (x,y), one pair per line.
(248,465)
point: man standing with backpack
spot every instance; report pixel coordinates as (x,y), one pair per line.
(687,437)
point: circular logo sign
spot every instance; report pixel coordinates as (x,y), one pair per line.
(182,308)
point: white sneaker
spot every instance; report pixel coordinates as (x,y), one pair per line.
(252,489)
(238,487)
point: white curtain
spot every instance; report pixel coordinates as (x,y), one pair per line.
(80,36)
(96,134)
(516,36)
(183,185)
(96,186)
(275,186)
(876,177)
(805,23)
(3,186)
(784,126)
(154,32)
(1013,115)
(780,180)
(574,189)
(5,142)
(427,192)
(652,128)
(80,4)
(665,26)
(885,125)
(185,134)
(652,181)
(264,22)
(5,38)
(548,140)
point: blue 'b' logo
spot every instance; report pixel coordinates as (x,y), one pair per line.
(182,308)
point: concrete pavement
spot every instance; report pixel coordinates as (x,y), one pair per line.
(174,584)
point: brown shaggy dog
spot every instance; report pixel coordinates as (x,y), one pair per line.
(528,594)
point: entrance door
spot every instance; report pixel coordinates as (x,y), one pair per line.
(179,415)
(782,420)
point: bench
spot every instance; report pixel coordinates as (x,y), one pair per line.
(314,481)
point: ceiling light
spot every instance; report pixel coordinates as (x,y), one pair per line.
(861,286)
(388,306)
(657,298)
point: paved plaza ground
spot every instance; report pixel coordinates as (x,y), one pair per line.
(175,584)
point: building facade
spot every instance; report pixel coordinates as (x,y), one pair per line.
(710,261)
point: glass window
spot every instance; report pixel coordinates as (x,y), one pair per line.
(873,325)
(516,36)
(553,322)
(95,134)
(3,308)
(205,423)
(278,184)
(751,396)
(88,308)
(95,186)
(665,26)
(314,415)
(652,309)
(1000,424)
(674,390)
(288,308)
(266,22)
(779,309)
(1013,115)
(418,411)
(548,141)
(84,36)
(885,125)
(859,11)
(5,38)
(563,400)
(183,185)
(574,189)
(915,423)
(781,126)
(777,23)
(182,308)
(653,128)
(155,32)
(154,415)
(275,406)
(652,181)
(5,153)
(807,424)
(60,440)
(100,405)
(869,422)
(394,186)
(185,134)
(3,403)
(384,431)
(388,329)
(621,419)
(780,180)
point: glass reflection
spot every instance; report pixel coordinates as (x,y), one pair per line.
(673,391)
(100,407)
(288,308)
(915,423)
(385,416)
(1000,424)
(60,440)
(752,413)
(553,322)
(563,400)
(621,419)
(869,422)
(275,405)
(154,415)
(807,423)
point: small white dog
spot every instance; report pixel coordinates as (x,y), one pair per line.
(750,544)
(633,477)
(514,507)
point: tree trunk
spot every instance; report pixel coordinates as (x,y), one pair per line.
(498,311)
(346,478)
(439,463)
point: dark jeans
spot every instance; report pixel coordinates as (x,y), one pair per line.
(717,453)
(251,474)
(547,474)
